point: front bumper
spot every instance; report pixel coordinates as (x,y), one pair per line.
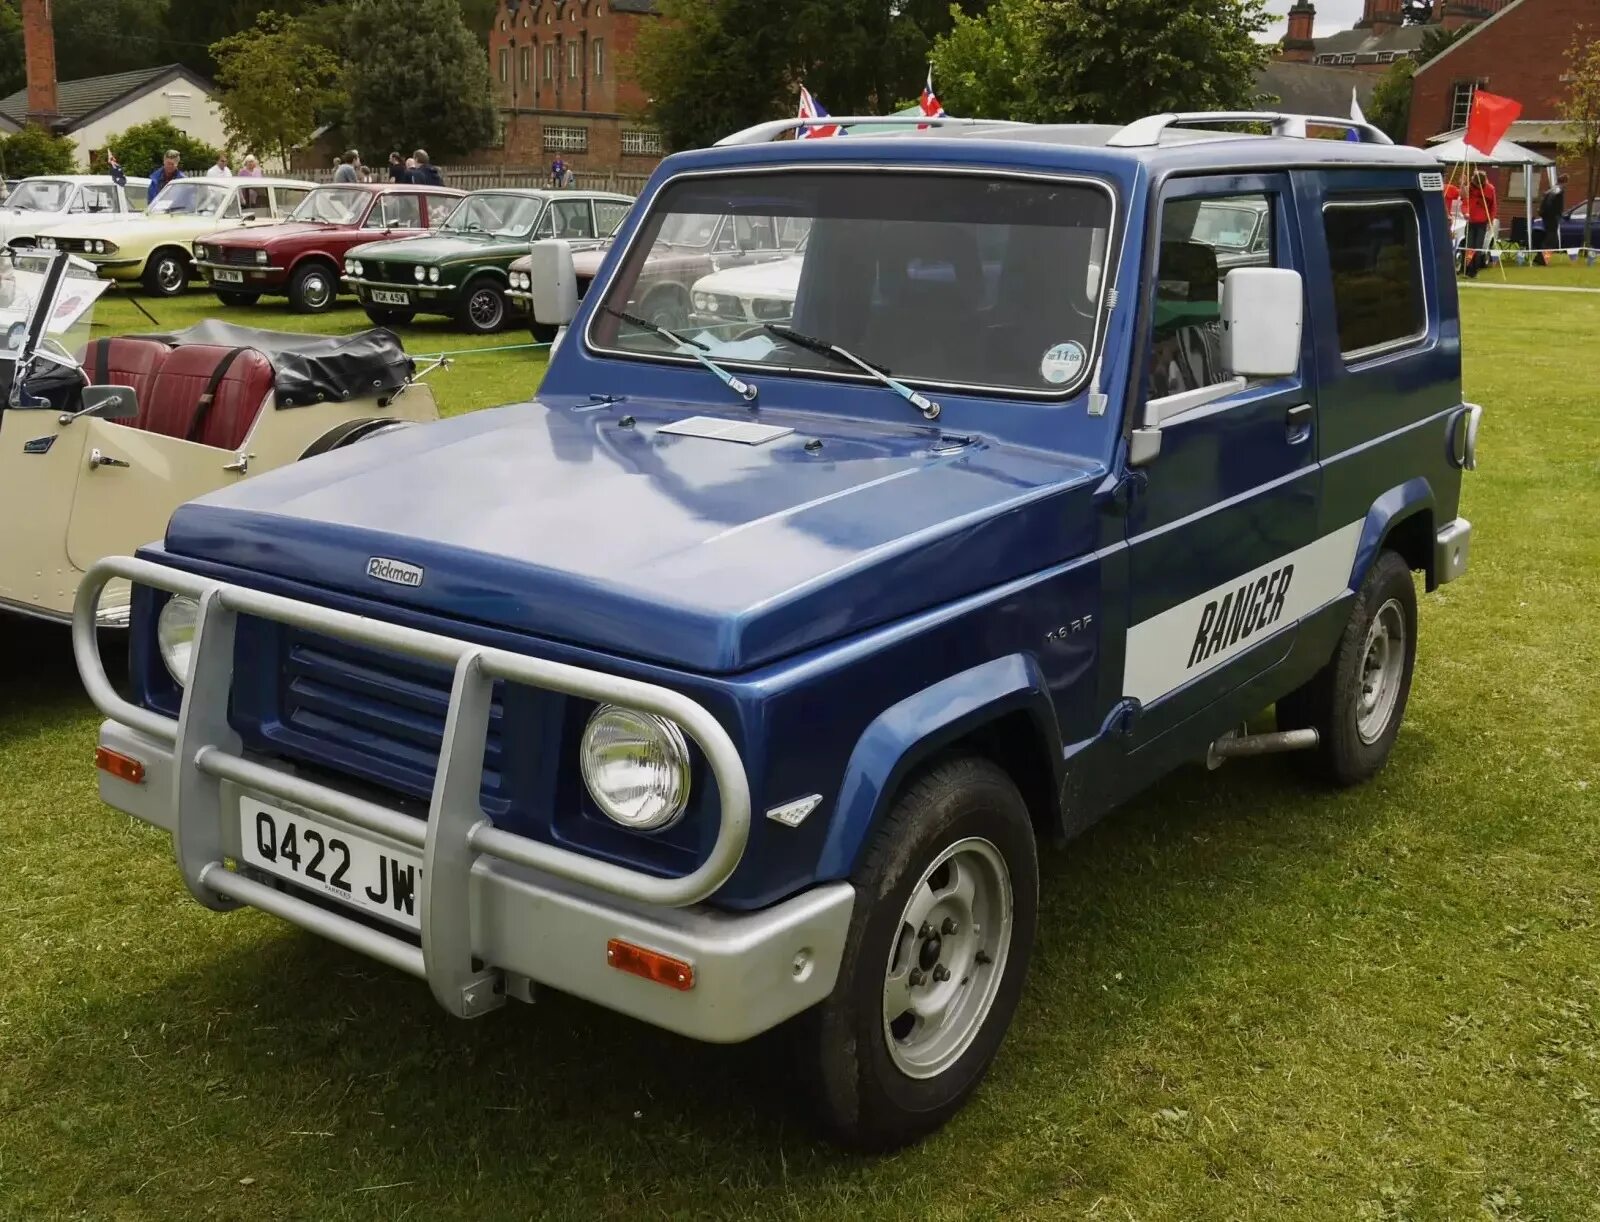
(498,912)
(254,275)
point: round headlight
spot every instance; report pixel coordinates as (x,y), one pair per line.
(421,275)
(433,274)
(98,247)
(261,257)
(175,636)
(359,270)
(636,767)
(47,243)
(199,251)
(703,302)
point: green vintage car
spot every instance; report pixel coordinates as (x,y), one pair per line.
(460,269)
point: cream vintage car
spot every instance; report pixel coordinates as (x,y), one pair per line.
(155,247)
(99,443)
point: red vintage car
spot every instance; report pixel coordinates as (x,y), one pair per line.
(301,258)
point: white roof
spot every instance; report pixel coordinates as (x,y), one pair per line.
(96,180)
(1507,152)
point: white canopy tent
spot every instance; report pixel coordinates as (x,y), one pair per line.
(1506,153)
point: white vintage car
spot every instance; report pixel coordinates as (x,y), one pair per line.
(751,293)
(37,204)
(101,438)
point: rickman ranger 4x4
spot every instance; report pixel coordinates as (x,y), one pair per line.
(736,678)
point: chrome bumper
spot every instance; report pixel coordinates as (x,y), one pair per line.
(498,911)
(1452,548)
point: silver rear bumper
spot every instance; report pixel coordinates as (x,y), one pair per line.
(1452,549)
(497,910)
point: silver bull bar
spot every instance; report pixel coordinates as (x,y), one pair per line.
(208,764)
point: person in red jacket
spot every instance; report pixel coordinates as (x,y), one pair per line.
(1483,206)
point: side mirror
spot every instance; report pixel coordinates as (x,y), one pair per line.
(1263,310)
(248,216)
(555,283)
(109,403)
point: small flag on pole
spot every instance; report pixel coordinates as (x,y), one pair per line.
(929,102)
(810,108)
(1490,119)
(1357,115)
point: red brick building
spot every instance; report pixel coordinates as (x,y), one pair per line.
(1381,36)
(560,70)
(1519,53)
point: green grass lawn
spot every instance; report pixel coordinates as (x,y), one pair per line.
(1251,998)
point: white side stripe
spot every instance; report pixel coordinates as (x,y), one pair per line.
(1168,650)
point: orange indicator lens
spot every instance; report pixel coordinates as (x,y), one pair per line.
(650,964)
(123,767)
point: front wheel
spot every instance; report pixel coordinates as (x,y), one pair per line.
(313,289)
(483,312)
(167,274)
(1358,700)
(947,902)
(543,333)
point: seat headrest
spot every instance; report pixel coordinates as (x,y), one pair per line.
(1188,272)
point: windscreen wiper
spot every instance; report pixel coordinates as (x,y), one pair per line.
(822,347)
(745,390)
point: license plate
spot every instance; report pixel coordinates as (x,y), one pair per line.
(385,882)
(386,297)
(228,277)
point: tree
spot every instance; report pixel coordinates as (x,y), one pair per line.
(142,146)
(713,66)
(13,67)
(982,64)
(1391,100)
(1580,109)
(417,77)
(1111,61)
(98,37)
(33,150)
(1436,41)
(275,82)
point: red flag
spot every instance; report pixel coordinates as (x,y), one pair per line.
(1490,120)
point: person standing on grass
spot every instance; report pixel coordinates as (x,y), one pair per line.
(251,168)
(558,172)
(397,169)
(1552,209)
(426,174)
(1482,208)
(220,170)
(347,169)
(164,173)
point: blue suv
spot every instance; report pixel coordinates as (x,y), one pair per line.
(736,679)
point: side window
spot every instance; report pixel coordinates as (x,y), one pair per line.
(726,239)
(99,199)
(573,219)
(288,199)
(1202,240)
(756,232)
(402,210)
(251,199)
(546,226)
(1376,259)
(440,208)
(608,215)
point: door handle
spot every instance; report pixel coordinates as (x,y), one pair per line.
(98,460)
(1299,420)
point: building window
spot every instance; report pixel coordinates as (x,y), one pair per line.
(566,139)
(1376,260)
(549,61)
(1461,102)
(1347,59)
(526,66)
(574,60)
(179,106)
(505,65)
(599,58)
(642,143)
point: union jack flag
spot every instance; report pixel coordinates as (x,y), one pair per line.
(810,108)
(929,102)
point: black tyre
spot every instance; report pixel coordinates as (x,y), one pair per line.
(947,903)
(666,307)
(484,308)
(313,288)
(166,274)
(1358,700)
(390,318)
(232,297)
(543,334)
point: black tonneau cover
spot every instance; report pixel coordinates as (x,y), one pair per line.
(313,368)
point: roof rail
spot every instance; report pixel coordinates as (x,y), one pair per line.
(1143,133)
(766,133)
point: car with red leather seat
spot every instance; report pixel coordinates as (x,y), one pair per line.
(101,439)
(301,258)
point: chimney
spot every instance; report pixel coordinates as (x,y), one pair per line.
(1387,12)
(1298,43)
(1367,10)
(40,43)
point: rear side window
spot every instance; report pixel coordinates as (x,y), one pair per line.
(1376,257)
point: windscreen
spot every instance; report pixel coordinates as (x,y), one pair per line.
(959,279)
(40,195)
(333,206)
(67,314)
(504,216)
(186,196)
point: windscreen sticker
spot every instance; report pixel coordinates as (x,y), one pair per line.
(1063,363)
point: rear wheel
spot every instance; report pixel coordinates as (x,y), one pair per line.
(167,273)
(390,318)
(947,902)
(1358,700)
(543,334)
(483,307)
(313,288)
(233,297)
